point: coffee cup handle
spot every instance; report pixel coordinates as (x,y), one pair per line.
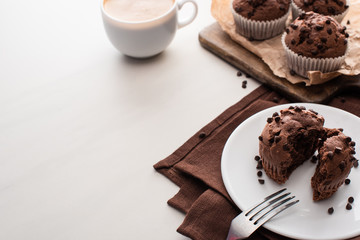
(189,19)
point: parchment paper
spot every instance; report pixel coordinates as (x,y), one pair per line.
(272,52)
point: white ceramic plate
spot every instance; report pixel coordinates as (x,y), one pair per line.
(307,219)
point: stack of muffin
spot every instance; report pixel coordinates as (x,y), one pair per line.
(314,41)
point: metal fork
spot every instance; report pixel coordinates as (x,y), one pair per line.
(248,221)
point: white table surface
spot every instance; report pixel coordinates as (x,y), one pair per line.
(81,125)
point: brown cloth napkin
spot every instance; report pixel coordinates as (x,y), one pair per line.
(195,168)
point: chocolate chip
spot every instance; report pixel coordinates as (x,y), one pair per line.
(286,147)
(292,72)
(352,151)
(348,206)
(347,181)
(257,158)
(356,163)
(328,21)
(271,140)
(293,41)
(324,40)
(238,9)
(329,31)
(346,6)
(269,120)
(239,74)
(202,135)
(259,165)
(338,149)
(309,41)
(345,41)
(277,119)
(352,143)
(348,22)
(319,27)
(259,173)
(346,35)
(331,10)
(341,129)
(331,210)
(260,138)
(287,30)
(302,16)
(261,181)
(319,46)
(277,139)
(293,26)
(244,83)
(330,155)
(348,139)
(311,110)
(350,199)
(304,30)
(275,114)
(342,166)
(291,107)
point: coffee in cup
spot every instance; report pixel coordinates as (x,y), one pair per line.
(143,28)
(137,10)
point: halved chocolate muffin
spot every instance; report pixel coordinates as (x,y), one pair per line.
(335,160)
(288,140)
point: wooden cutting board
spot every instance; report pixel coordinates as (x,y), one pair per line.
(214,39)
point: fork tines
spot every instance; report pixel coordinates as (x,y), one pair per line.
(270,207)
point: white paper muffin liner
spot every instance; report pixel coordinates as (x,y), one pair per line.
(259,30)
(301,64)
(296,11)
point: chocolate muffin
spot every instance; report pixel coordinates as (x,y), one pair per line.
(260,19)
(335,160)
(288,140)
(333,8)
(312,37)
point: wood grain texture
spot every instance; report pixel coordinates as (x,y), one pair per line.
(214,39)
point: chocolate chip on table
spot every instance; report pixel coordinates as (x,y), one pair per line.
(247,76)
(259,165)
(350,199)
(346,35)
(348,22)
(202,135)
(348,206)
(331,210)
(259,173)
(261,181)
(239,74)
(347,181)
(269,120)
(244,83)
(257,158)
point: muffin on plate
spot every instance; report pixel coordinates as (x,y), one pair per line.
(314,42)
(288,140)
(260,19)
(333,8)
(335,160)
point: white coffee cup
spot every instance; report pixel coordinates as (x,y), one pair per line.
(146,38)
